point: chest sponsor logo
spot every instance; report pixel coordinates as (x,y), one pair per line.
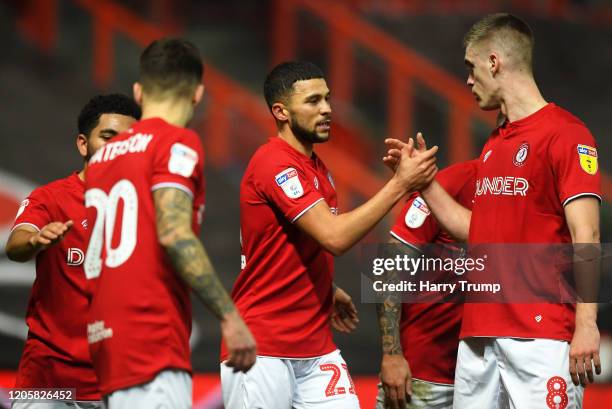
(588,159)
(22,207)
(289,181)
(183,160)
(521,155)
(486,156)
(502,185)
(75,257)
(417,213)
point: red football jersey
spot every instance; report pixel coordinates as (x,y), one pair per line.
(56,353)
(432,329)
(140,315)
(284,291)
(529,170)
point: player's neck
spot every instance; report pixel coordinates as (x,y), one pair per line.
(297,144)
(523,99)
(177,113)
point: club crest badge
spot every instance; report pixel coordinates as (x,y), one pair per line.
(521,155)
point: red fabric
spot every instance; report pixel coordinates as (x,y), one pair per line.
(56,352)
(284,291)
(529,209)
(429,329)
(137,295)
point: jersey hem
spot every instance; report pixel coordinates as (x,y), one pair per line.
(441,383)
(283,356)
(554,338)
(138,380)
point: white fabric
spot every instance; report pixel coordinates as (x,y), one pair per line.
(280,383)
(514,373)
(425,395)
(170,389)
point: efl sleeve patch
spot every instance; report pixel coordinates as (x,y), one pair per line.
(588,159)
(183,160)
(418,212)
(289,181)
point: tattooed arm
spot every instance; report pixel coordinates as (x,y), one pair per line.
(395,373)
(190,261)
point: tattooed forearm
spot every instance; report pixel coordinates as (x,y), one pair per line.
(389,310)
(186,252)
(389,304)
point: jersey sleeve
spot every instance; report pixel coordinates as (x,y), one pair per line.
(179,163)
(34,210)
(415,224)
(574,158)
(283,182)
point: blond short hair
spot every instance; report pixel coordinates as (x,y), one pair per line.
(509,32)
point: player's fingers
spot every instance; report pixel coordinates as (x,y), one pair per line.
(409,387)
(238,360)
(580,370)
(597,363)
(392,399)
(394,143)
(572,369)
(588,367)
(421,145)
(349,324)
(48,234)
(43,240)
(340,325)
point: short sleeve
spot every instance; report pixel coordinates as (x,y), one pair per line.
(179,163)
(284,184)
(34,210)
(574,158)
(415,224)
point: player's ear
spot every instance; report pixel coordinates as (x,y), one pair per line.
(198,94)
(494,64)
(137,90)
(280,112)
(81,143)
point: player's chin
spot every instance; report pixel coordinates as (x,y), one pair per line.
(322,136)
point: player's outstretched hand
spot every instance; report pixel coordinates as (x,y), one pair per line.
(50,234)
(584,354)
(394,153)
(417,165)
(396,380)
(239,341)
(344,314)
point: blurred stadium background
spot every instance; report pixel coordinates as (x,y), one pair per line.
(394,67)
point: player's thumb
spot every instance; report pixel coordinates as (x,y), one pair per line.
(68,225)
(409,386)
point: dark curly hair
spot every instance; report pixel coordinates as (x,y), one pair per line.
(106,104)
